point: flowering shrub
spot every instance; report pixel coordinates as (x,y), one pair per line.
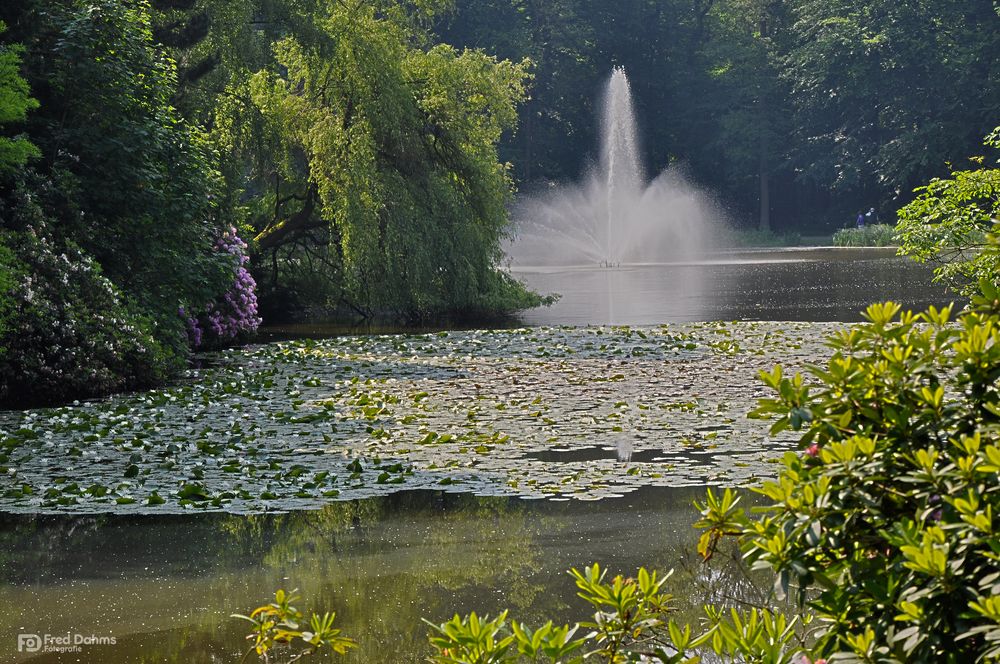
(236,311)
(69,332)
(6,286)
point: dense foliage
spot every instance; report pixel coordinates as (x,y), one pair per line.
(374,153)
(812,108)
(949,221)
(114,229)
(15,102)
(884,521)
(136,183)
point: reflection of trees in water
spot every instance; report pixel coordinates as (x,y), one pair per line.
(385,564)
(723,581)
(381,564)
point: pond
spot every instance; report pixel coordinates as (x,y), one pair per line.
(558,413)
(799,284)
(165,586)
(408,476)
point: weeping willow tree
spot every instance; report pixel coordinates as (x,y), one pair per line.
(372,159)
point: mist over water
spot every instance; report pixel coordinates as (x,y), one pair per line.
(614,216)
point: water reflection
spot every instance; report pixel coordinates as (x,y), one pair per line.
(164,586)
(815,284)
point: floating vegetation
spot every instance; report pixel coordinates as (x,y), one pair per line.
(559,413)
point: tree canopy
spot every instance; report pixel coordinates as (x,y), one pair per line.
(819,108)
(359,158)
(15,102)
(374,152)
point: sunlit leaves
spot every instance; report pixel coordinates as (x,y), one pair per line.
(948,223)
(15,103)
(390,146)
(886,515)
(279,623)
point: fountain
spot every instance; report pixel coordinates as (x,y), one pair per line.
(615,216)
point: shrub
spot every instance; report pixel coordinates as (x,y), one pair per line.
(948,221)
(234,313)
(69,332)
(876,235)
(631,624)
(276,625)
(884,521)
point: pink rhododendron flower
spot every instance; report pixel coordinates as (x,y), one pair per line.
(236,310)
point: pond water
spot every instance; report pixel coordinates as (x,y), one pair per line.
(399,477)
(553,413)
(165,586)
(800,284)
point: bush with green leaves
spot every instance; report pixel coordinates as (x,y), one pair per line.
(68,331)
(631,623)
(884,521)
(876,235)
(277,635)
(947,223)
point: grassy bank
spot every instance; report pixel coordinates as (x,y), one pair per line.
(876,235)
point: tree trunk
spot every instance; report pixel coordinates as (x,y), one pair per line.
(765,186)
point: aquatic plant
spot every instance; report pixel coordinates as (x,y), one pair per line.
(294,425)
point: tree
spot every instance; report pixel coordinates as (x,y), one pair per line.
(115,229)
(949,220)
(15,102)
(137,187)
(885,92)
(377,153)
(210,40)
(750,100)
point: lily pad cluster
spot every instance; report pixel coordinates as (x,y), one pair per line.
(557,413)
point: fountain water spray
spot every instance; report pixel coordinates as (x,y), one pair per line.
(615,216)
